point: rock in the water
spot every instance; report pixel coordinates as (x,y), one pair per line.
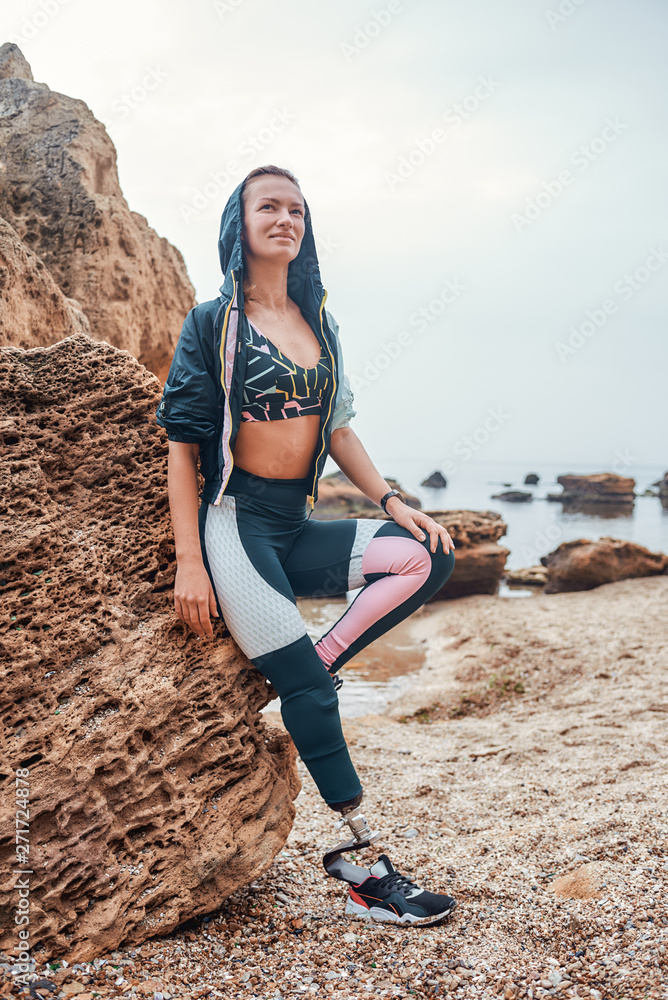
(531,479)
(513,496)
(584,564)
(603,487)
(479,559)
(529,576)
(436,481)
(663,486)
(59,190)
(155,787)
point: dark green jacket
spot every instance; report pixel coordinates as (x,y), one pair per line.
(202,399)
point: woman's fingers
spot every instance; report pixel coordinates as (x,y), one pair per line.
(195,612)
(436,531)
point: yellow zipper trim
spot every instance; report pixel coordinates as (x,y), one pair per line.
(331,399)
(223,348)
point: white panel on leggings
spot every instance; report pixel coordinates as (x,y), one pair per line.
(366,528)
(260,619)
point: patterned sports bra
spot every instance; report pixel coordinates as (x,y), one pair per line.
(275,388)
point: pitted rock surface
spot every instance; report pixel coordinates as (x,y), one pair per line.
(155,787)
(585,563)
(59,190)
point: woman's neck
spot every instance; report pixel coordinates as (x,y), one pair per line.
(271,287)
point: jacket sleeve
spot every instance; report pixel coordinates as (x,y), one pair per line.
(189,409)
(344,410)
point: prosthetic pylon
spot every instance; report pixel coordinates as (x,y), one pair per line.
(362,838)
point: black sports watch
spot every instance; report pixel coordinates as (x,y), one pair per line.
(392,493)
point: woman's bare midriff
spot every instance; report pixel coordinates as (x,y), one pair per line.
(277,449)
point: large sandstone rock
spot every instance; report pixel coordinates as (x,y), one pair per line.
(59,190)
(479,559)
(155,787)
(33,306)
(584,564)
(602,487)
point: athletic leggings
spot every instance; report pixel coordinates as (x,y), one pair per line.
(261,551)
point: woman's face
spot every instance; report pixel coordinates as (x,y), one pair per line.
(274,224)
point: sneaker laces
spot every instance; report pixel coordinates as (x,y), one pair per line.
(401,883)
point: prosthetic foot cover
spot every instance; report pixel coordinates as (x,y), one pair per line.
(383,895)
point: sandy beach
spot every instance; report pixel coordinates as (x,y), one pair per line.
(524,773)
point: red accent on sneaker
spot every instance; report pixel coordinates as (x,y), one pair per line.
(358,899)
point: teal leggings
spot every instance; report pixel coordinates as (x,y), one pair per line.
(261,552)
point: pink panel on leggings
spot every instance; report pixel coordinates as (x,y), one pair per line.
(410,563)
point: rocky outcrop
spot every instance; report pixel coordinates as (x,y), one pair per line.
(33,306)
(155,788)
(584,564)
(436,481)
(337,497)
(59,190)
(527,576)
(531,479)
(663,487)
(513,496)
(479,559)
(603,487)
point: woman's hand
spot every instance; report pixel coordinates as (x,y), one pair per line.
(415,520)
(194,599)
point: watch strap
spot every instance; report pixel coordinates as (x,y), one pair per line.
(392,493)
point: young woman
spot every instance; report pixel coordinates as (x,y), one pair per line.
(257,392)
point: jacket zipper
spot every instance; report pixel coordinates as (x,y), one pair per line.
(331,399)
(223,352)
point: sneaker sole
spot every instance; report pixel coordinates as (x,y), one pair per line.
(354,909)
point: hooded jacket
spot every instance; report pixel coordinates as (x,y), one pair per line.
(203,394)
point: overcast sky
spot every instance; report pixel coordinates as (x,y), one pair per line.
(487,183)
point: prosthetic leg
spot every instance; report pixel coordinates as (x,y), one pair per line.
(380,893)
(362,837)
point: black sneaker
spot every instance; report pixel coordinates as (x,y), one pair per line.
(390,897)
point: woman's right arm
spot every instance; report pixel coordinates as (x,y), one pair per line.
(194,599)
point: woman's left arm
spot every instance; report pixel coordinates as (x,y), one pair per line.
(351,457)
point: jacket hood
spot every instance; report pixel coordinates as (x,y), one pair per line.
(304,281)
